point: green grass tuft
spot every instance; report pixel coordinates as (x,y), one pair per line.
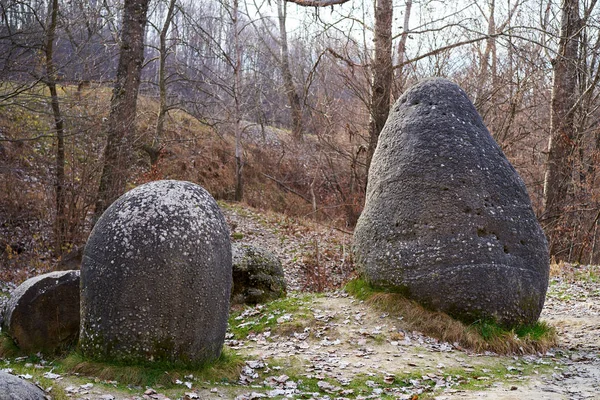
(359,289)
(541,330)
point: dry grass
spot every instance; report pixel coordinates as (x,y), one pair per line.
(477,337)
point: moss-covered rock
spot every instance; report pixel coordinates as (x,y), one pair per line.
(257,275)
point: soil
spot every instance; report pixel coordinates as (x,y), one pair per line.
(337,340)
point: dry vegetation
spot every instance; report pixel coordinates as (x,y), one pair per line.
(479,337)
(280,175)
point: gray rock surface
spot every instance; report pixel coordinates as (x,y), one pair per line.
(42,313)
(15,388)
(257,275)
(447,219)
(156,277)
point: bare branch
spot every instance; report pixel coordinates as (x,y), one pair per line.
(442,49)
(317,3)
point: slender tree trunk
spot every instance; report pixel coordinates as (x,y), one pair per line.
(162,85)
(561,145)
(400,81)
(288,81)
(60,224)
(237,85)
(123,105)
(382,74)
(488,61)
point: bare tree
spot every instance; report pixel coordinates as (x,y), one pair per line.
(154,148)
(123,105)
(60,222)
(399,81)
(290,88)
(382,74)
(561,145)
(237,87)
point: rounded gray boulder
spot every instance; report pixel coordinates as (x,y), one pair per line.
(15,388)
(42,314)
(156,277)
(257,275)
(447,219)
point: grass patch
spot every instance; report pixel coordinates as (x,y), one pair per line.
(479,336)
(30,366)
(225,369)
(281,316)
(360,289)
(237,235)
(124,377)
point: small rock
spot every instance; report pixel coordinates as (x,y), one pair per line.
(12,387)
(42,314)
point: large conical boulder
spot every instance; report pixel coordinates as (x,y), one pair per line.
(156,277)
(447,219)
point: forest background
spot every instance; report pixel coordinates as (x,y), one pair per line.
(279,105)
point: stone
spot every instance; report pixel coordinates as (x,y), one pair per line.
(42,314)
(15,388)
(257,275)
(447,219)
(156,277)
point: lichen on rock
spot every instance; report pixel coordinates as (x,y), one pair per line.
(156,277)
(447,218)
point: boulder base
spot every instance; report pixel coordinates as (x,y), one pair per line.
(447,219)
(42,314)
(156,277)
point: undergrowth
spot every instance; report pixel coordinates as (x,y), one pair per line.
(479,336)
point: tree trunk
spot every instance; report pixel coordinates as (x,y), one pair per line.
(60,224)
(400,81)
(288,80)
(162,84)
(123,105)
(237,85)
(488,62)
(382,74)
(561,145)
